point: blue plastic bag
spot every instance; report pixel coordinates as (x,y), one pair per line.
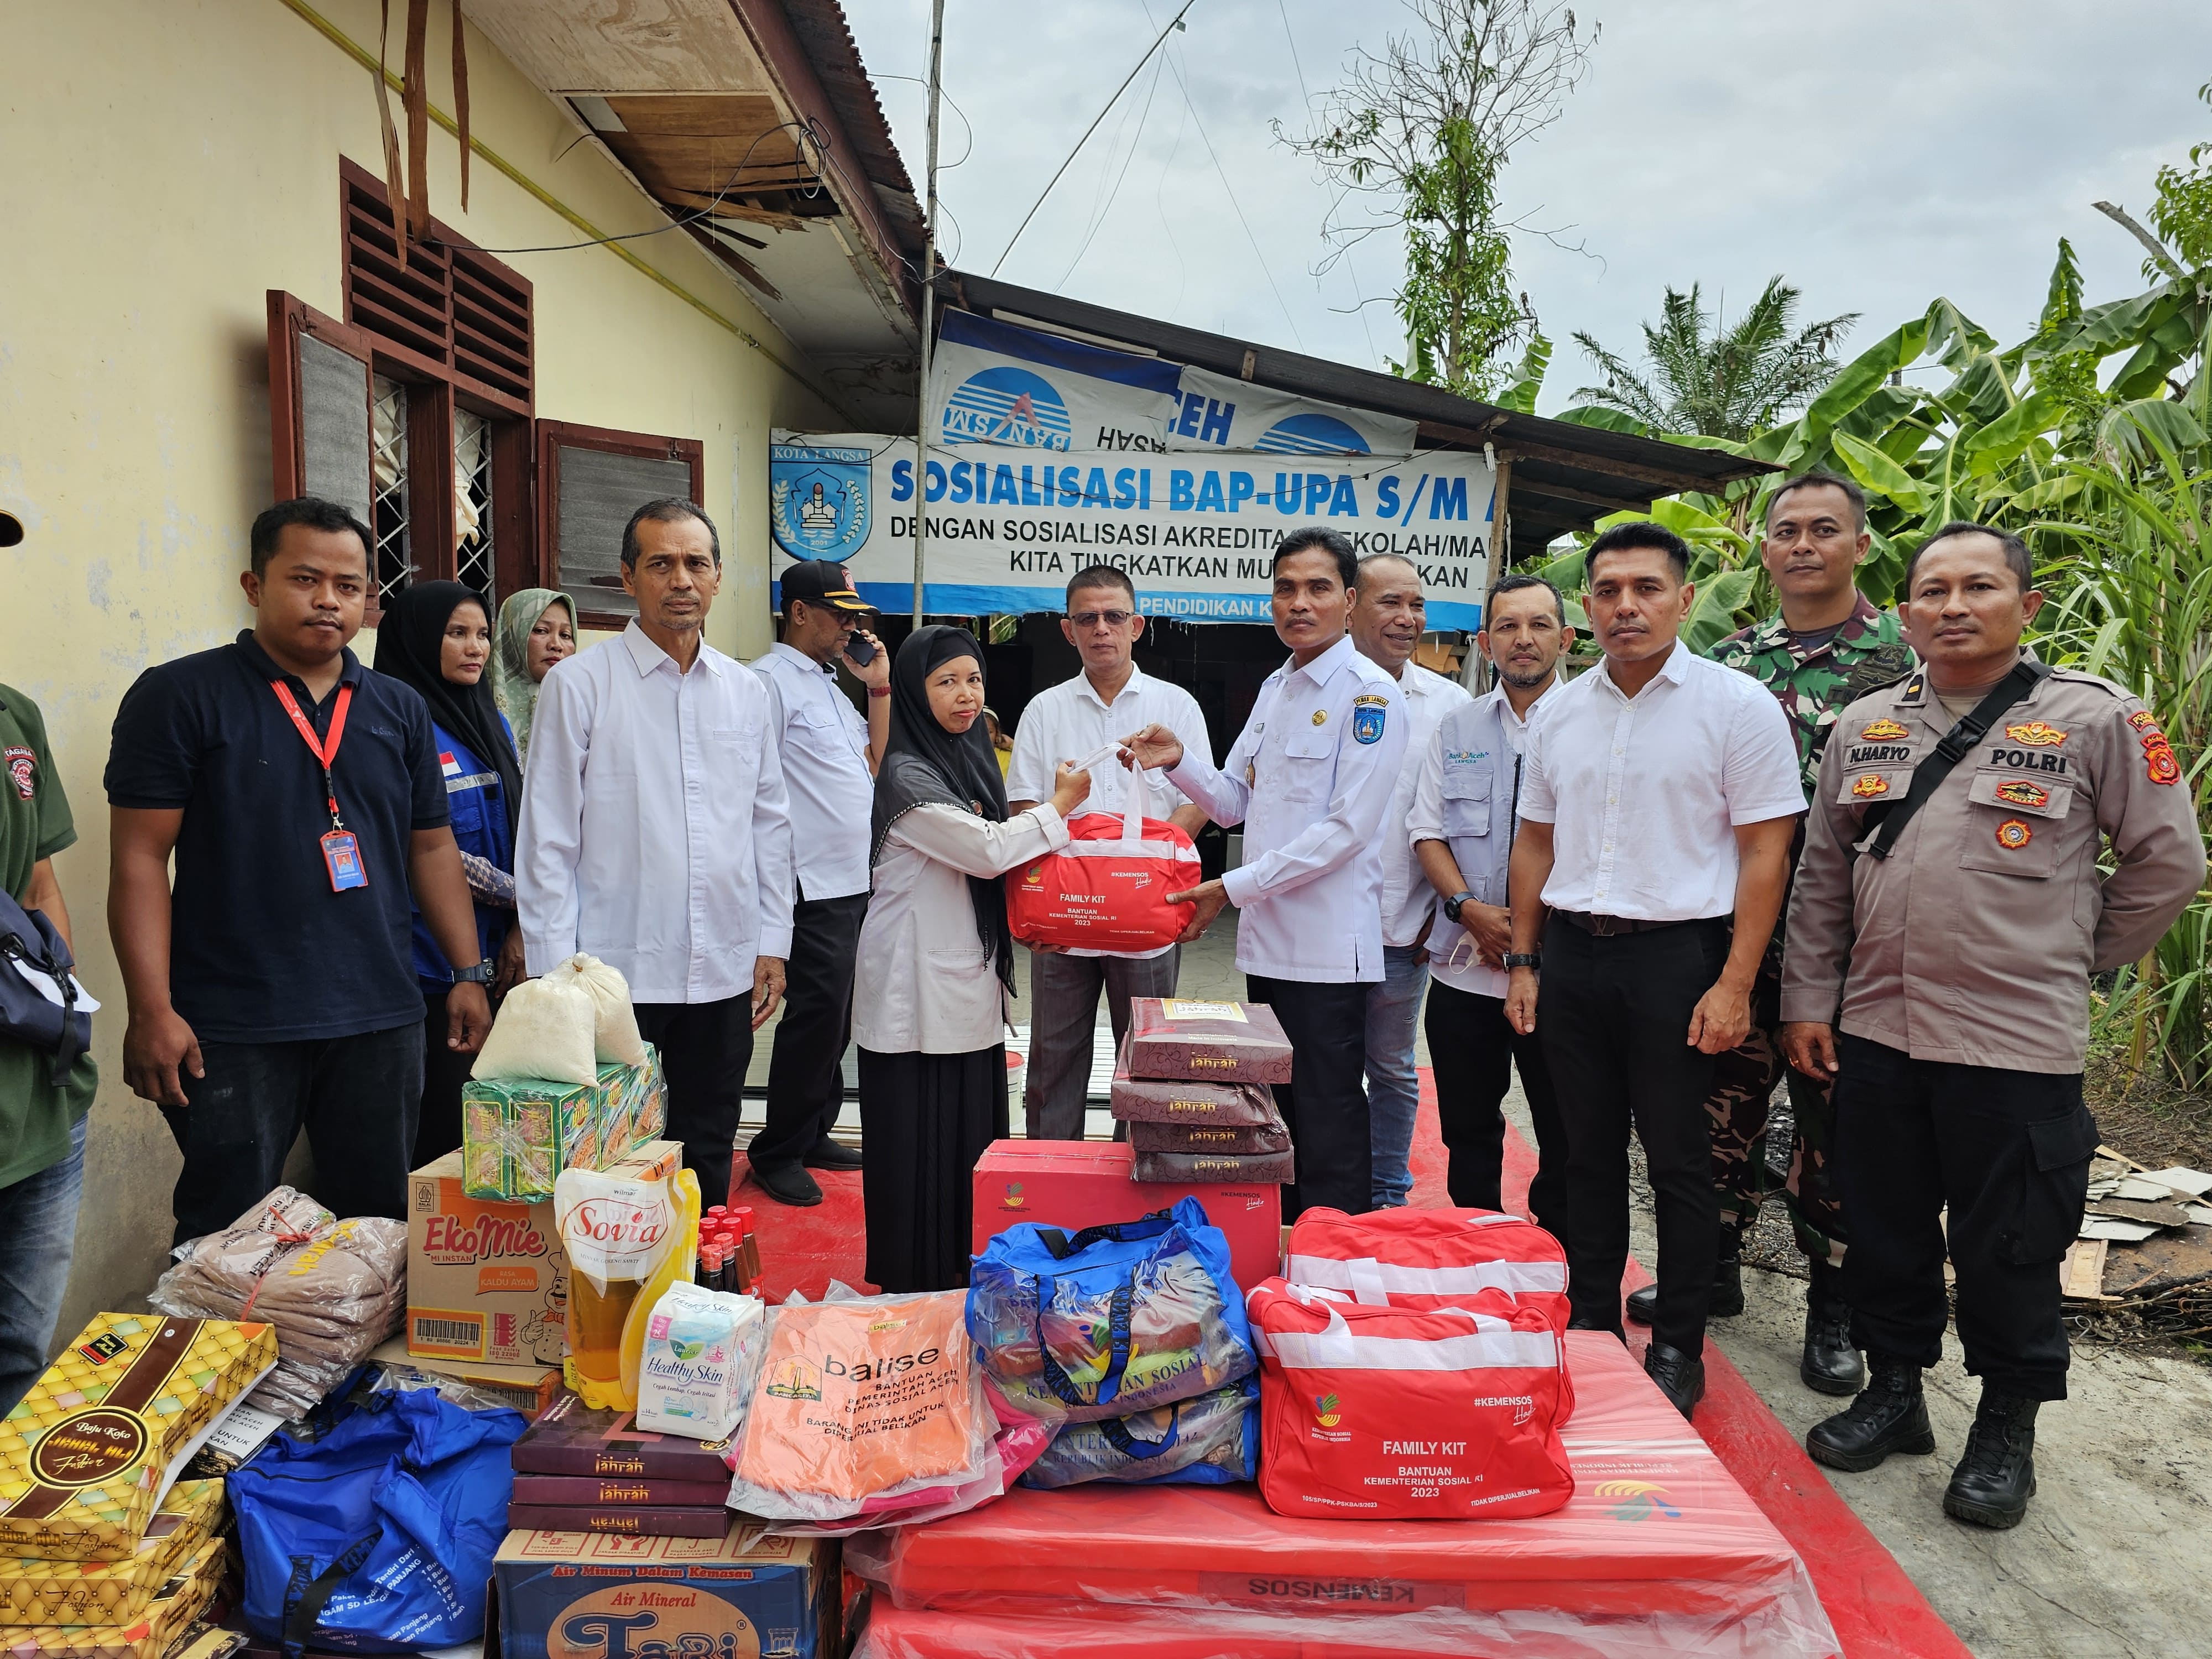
(1211,1441)
(377,1538)
(1112,1321)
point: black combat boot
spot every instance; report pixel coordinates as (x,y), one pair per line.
(1728,1284)
(1890,1415)
(1996,1477)
(1832,1364)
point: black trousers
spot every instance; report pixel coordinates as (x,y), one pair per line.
(705,1048)
(2008,1153)
(356,1096)
(1325,1104)
(1613,1015)
(438,1123)
(1474,1050)
(805,1085)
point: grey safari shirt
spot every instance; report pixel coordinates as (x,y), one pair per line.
(1973,941)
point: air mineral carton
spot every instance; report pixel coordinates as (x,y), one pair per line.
(87,1456)
(486,1279)
(519,1134)
(600,1595)
(39,1592)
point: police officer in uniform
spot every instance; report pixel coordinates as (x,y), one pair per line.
(1311,779)
(1825,646)
(1947,914)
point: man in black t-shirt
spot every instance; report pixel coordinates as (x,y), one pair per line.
(301,796)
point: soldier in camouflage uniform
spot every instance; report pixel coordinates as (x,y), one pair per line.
(1815,537)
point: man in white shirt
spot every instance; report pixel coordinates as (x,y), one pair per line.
(1461,826)
(656,831)
(1658,798)
(1069,722)
(1387,621)
(1310,779)
(829,757)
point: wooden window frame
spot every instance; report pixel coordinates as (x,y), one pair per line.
(554,435)
(436,385)
(289,316)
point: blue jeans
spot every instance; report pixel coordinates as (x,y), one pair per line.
(37,1233)
(1394,1083)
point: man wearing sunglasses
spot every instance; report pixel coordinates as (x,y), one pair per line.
(1067,722)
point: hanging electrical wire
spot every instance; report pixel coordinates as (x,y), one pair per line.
(1174,23)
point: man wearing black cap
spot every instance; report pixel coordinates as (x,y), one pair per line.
(829,757)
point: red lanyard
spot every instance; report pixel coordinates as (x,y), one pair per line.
(325,753)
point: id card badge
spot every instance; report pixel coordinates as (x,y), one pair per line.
(341,853)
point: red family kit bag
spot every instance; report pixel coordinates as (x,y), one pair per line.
(1107,888)
(1388,1413)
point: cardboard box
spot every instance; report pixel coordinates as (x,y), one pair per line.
(180,1598)
(89,1453)
(1073,1184)
(519,1134)
(1209,1041)
(528,1388)
(35,1592)
(560,1594)
(486,1279)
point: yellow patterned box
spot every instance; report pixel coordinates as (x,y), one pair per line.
(36,1592)
(87,1456)
(180,1599)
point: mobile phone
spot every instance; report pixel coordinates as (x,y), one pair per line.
(859,652)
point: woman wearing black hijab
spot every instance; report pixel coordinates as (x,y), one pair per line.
(935,976)
(436,637)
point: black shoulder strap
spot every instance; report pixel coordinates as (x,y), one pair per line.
(1888,819)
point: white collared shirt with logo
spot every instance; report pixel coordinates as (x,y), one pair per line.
(1645,793)
(1310,778)
(1071,720)
(824,745)
(1407,898)
(656,829)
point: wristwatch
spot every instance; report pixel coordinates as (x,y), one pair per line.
(1522,959)
(1452,904)
(477,973)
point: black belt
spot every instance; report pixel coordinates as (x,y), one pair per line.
(1608,927)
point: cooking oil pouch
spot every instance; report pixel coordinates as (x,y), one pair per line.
(626,1240)
(1111,1321)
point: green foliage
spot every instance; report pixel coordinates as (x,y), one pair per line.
(2182,213)
(1720,383)
(1416,137)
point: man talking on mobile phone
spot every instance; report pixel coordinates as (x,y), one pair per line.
(829,760)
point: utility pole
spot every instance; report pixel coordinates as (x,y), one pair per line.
(928,301)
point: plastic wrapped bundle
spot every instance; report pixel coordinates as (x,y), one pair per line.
(333,1289)
(870,1411)
(1207,1442)
(1116,1319)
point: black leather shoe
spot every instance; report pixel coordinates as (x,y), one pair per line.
(828,1155)
(1996,1477)
(1831,1363)
(787,1183)
(1680,1377)
(1579,1323)
(1728,1289)
(1890,1415)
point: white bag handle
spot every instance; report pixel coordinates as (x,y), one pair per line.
(1133,819)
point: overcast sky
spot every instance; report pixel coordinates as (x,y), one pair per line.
(1876,154)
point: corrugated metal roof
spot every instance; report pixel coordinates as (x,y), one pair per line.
(1564,476)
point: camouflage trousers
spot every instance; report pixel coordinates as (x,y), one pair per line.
(1737,1112)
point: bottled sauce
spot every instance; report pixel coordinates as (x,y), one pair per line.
(749,1243)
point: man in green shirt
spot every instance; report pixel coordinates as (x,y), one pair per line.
(1824,648)
(41,1127)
